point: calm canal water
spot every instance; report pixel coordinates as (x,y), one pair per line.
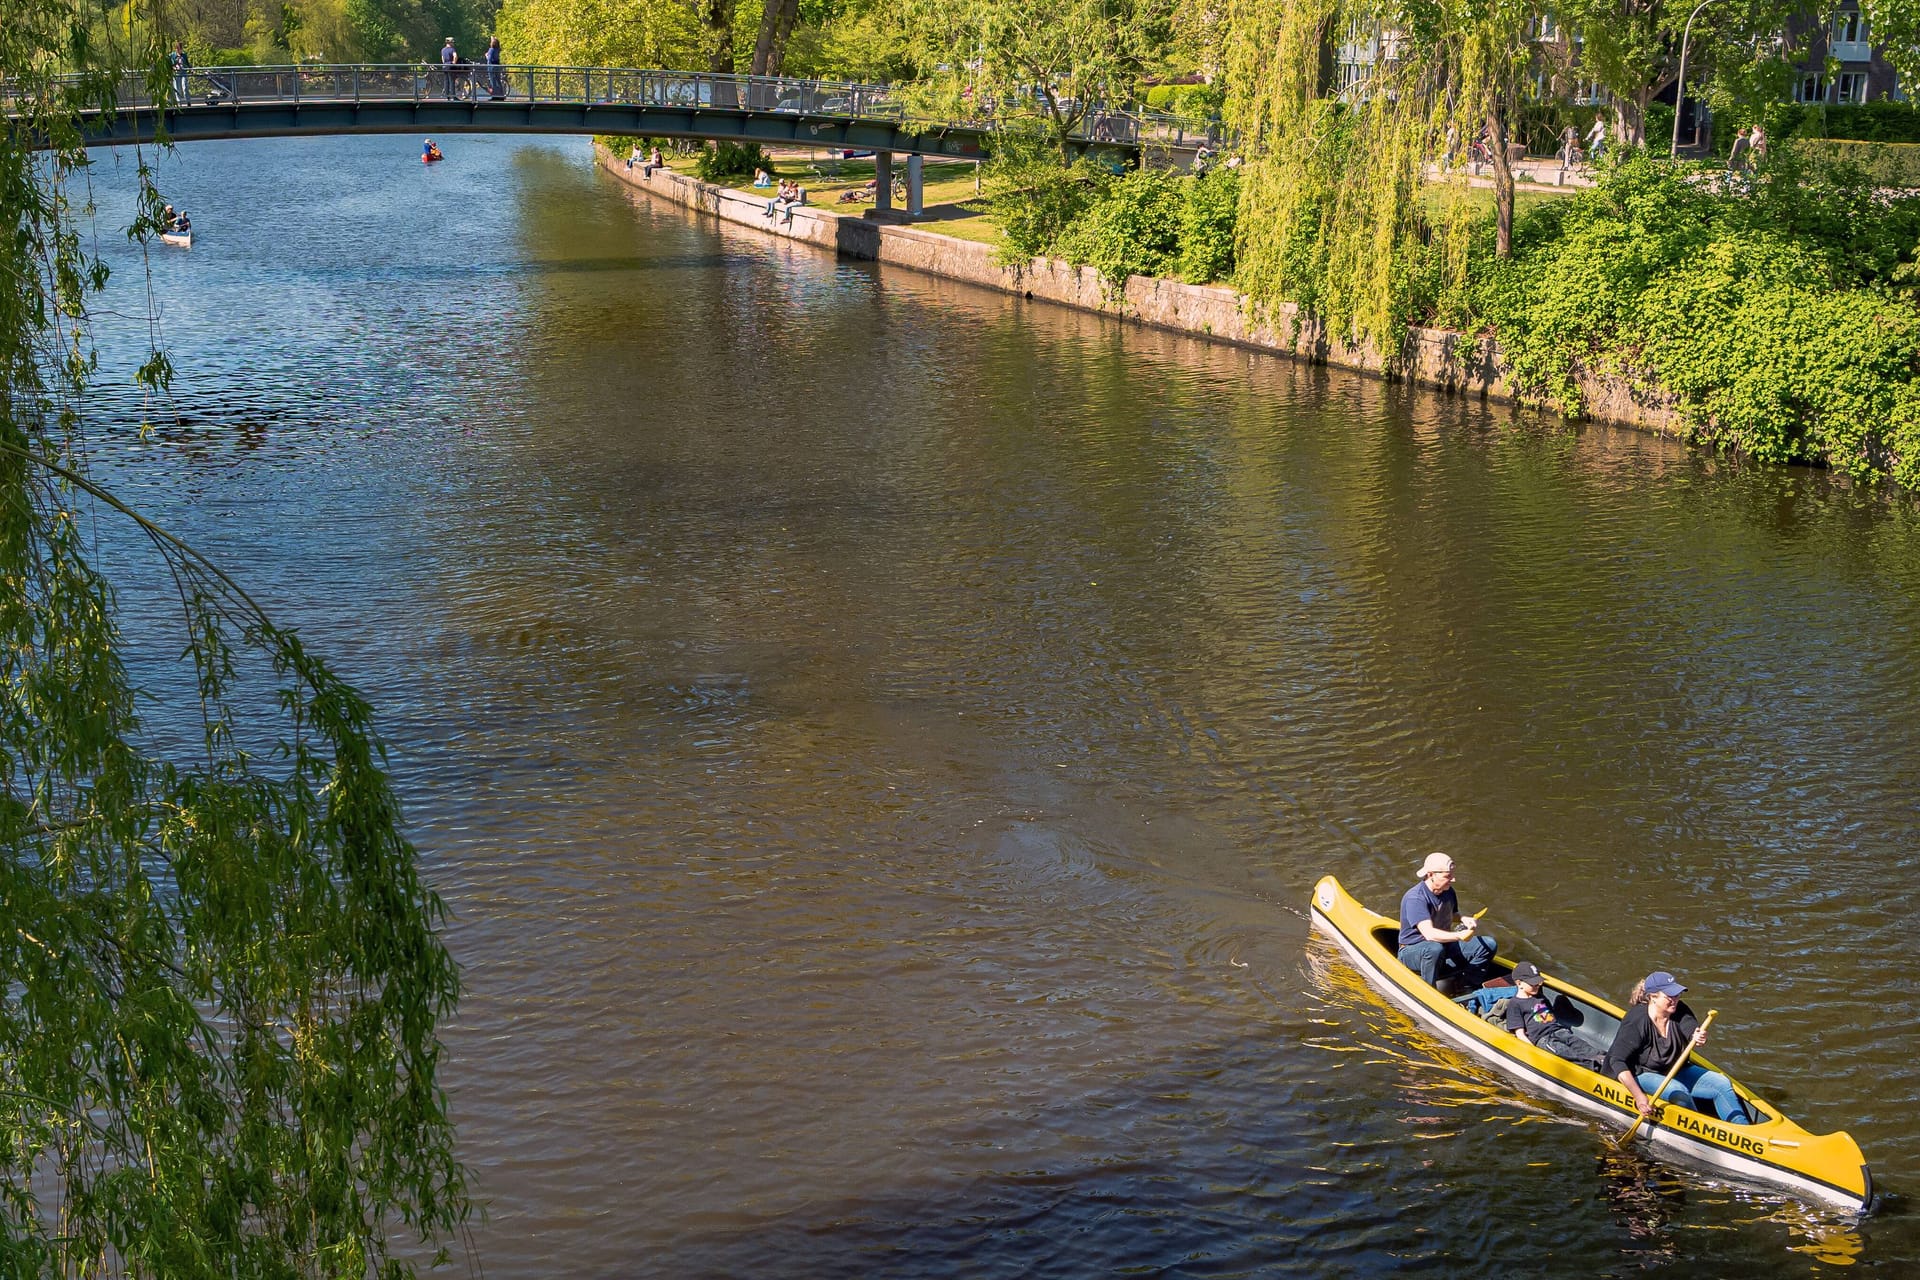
(877,739)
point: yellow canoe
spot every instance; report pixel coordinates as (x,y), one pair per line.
(1775,1152)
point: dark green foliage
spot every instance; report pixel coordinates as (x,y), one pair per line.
(1881,121)
(1150,222)
(1208,221)
(1034,198)
(1134,231)
(1772,319)
(730,160)
(1889,164)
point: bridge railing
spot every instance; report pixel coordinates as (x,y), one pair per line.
(590,86)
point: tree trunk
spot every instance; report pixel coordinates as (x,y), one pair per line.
(1502,186)
(717,17)
(1631,114)
(789,14)
(770,45)
(763,42)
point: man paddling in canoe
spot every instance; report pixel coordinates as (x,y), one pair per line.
(1657,1030)
(1435,942)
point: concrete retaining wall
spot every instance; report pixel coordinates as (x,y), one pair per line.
(1434,357)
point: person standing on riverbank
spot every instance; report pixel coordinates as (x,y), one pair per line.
(1435,941)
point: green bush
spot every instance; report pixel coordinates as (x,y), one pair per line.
(730,160)
(1772,317)
(1185,99)
(1134,231)
(1888,164)
(619,146)
(1882,121)
(1209,218)
(1034,198)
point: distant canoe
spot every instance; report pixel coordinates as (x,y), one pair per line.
(434,158)
(1774,1151)
(184,239)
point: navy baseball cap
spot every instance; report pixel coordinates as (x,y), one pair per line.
(1662,983)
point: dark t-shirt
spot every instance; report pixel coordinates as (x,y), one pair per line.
(1532,1014)
(1638,1047)
(1422,903)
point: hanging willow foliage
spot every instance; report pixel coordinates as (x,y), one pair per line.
(1352,205)
(222,972)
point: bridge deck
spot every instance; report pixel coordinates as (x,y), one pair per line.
(256,102)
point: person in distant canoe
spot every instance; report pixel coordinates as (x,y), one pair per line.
(1434,941)
(1530,1016)
(1658,1028)
(429,152)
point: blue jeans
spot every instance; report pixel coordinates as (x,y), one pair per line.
(1695,1085)
(1436,960)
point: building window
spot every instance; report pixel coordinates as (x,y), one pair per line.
(1809,89)
(1850,86)
(1848,28)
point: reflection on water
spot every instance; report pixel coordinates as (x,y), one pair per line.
(876,737)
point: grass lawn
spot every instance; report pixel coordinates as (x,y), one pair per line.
(948,198)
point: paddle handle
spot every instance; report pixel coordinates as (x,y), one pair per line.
(1686,1052)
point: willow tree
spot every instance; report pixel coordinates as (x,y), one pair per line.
(1338,211)
(223,979)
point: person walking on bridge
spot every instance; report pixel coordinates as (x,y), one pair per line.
(496,87)
(181,65)
(448,71)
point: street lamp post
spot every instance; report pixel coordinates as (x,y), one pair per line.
(1680,85)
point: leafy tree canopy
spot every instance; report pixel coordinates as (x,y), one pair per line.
(218,1031)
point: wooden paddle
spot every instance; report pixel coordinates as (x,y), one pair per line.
(1685,1053)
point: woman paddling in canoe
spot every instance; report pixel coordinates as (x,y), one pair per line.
(1657,1030)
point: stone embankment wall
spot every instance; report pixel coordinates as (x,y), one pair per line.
(1433,357)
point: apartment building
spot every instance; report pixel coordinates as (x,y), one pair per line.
(1863,75)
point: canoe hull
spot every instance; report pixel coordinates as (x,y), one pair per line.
(1826,1168)
(181,239)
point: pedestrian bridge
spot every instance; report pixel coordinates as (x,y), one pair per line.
(278,102)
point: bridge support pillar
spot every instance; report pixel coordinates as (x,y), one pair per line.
(883,182)
(916,165)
